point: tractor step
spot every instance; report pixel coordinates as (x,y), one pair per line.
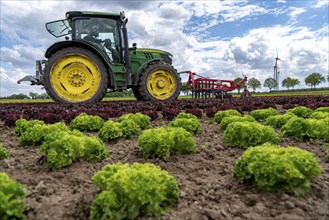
(120,80)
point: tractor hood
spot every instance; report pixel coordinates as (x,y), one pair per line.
(148,50)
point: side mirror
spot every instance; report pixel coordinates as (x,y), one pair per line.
(134,47)
(122,16)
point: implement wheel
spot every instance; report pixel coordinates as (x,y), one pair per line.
(159,82)
(245,94)
(75,75)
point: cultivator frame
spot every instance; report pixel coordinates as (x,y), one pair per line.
(204,87)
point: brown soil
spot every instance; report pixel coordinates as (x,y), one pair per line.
(207,188)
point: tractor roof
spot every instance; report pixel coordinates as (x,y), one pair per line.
(71,14)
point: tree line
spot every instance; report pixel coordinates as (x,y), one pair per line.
(32,95)
(311,80)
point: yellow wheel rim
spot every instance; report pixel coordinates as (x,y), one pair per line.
(75,78)
(161,84)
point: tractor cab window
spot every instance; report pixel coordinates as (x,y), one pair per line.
(59,28)
(102,32)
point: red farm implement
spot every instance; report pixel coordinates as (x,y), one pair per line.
(204,87)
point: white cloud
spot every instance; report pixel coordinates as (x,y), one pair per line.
(321,3)
(20,55)
(302,51)
(295,12)
(236,13)
(8,83)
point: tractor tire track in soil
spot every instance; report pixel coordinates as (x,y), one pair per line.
(207,188)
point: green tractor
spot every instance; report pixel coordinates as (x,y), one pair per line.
(96,59)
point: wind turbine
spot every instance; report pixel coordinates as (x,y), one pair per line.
(276,69)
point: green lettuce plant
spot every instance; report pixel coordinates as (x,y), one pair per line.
(129,191)
(322,109)
(189,124)
(296,127)
(85,122)
(21,125)
(161,142)
(143,121)
(186,115)
(324,129)
(306,129)
(156,142)
(187,121)
(129,128)
(263,114)
(300,111)
(183,141)
(228,120)
(110,131)
(62,148)
(11,198)
(35,134)
(277,169)
(246,134)
(319,115)
(94,150)
(221,114)
(277,121)
(4,153)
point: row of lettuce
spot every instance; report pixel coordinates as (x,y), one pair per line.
(123,192)
(299,123)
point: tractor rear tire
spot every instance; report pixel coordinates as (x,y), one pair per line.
(159,82)
(75,75)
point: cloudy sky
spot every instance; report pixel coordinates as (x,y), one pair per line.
(219,39)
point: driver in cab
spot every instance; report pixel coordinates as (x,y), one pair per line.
(93,35)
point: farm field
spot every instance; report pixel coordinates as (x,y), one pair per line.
(322,92)
(208,189)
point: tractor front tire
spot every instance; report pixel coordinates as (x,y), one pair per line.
(75,75)
(137,94)
(159,82)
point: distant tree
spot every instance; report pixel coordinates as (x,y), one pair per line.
(254,84)
(294,82)
(286,83)
(270,83)
(290,82)
(314,79)
(33,95)
(43,96)
(236,81)
(18,96)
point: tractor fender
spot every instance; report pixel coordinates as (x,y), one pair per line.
(141,69)
(86,45)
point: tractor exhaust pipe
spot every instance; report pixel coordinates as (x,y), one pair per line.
(126,45)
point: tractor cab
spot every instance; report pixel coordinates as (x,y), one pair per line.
(101,32)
